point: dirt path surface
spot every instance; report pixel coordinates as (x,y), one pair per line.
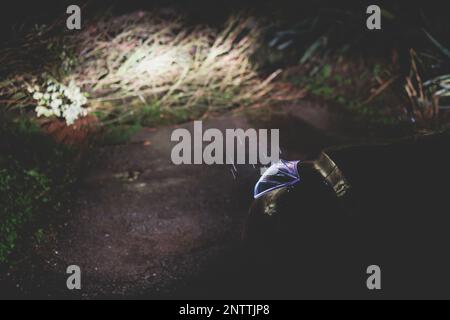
(144,227)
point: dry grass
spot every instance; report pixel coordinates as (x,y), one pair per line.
(148,58)
(426,97)
(160,60)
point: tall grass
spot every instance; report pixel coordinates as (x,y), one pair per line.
(161,60)
(155,60)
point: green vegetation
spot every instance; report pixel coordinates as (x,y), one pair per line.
(363,90)
(35,176)
(22,191)
(380,78)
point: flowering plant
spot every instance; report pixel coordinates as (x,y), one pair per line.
(59,100)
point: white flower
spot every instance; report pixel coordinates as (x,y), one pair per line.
(73,113)
(56,103)
(61,101)
(43,111)
(37,96)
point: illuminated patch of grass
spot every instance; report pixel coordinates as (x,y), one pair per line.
(126,63)
(153,60)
